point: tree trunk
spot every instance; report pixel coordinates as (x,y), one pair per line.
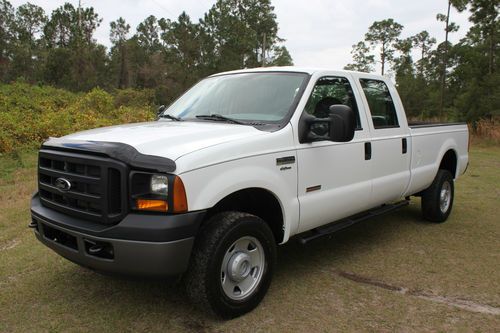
(264,51)
(123,80)
(445,63)
(422,61)
(382,58)
(492,51)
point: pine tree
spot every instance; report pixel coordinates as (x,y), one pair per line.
(384,34)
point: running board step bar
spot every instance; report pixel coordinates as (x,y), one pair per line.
(347,222)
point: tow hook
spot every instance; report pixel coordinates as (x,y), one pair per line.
(33,224)
(99,249)
(95,249)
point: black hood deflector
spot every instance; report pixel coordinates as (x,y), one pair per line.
(116,150)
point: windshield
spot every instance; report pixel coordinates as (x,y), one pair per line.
(258,97)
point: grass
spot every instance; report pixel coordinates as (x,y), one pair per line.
(392,273)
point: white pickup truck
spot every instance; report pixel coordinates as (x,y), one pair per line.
(239,164)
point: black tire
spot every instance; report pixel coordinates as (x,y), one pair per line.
(432,208)
(203,281)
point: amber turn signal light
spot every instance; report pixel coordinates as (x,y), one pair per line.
(179,197)
(152,205)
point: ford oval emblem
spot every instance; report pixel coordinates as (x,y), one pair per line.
(62,184)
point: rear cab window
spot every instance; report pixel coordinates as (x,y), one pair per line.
(381,104)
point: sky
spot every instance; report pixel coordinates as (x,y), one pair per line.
(318,33)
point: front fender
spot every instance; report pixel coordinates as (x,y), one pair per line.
(207,186)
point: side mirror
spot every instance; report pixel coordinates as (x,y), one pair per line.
(339,127)
(342,123)
(161,109)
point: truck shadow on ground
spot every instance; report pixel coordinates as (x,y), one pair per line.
(167,300)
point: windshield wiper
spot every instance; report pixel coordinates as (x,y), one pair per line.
(169,116)
(220,118)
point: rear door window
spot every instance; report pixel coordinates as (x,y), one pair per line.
(381,105)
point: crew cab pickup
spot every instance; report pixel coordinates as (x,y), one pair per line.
(239,164)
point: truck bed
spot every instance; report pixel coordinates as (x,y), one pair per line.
(420,124)
(429,143)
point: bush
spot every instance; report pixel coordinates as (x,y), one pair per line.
(486,131)
(133,97)
(31,114)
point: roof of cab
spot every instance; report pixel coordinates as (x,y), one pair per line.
(308,70)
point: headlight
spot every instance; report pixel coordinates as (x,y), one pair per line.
(159,184)
(157,192)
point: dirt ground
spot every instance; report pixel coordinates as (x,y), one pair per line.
(392,273)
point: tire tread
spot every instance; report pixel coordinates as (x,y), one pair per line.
(430,198)
(210,235)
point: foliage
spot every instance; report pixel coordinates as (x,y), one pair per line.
(281,57)
(150,66)
(363,60)
(455,82)
(30,114)
(384,34)
(424,42)
(162,54)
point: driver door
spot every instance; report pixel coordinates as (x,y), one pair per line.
(334,179)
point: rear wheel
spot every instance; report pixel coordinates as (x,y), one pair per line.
(437,200)
(232,264)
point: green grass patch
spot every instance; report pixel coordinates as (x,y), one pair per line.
(14,161)
(457,260)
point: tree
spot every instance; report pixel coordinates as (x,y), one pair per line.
(229,37)
(384,34)
(239,33)
(403,67)
(6,36)
(363,61)
(118,37)
(403,64)
(475,76)
(58,31)
(87,52)
(261,20)
(484,15)
(449,27)
(424,42)
(27,46)
(30,20)
(69,37)
(281,57)
(148,45)
(147,35)
(162,54)
(183,50)
(87,21)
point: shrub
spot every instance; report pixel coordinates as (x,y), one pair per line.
(31,114)
(486,131)
(133,97)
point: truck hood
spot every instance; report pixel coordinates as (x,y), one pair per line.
(168,138)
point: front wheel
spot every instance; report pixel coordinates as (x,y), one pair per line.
(437,200)
(232,264)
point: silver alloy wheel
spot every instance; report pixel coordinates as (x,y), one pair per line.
(445,197)
(242,268)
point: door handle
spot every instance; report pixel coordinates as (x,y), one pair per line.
(405,146)
(368,151)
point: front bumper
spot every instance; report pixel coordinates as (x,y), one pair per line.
(140,245)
